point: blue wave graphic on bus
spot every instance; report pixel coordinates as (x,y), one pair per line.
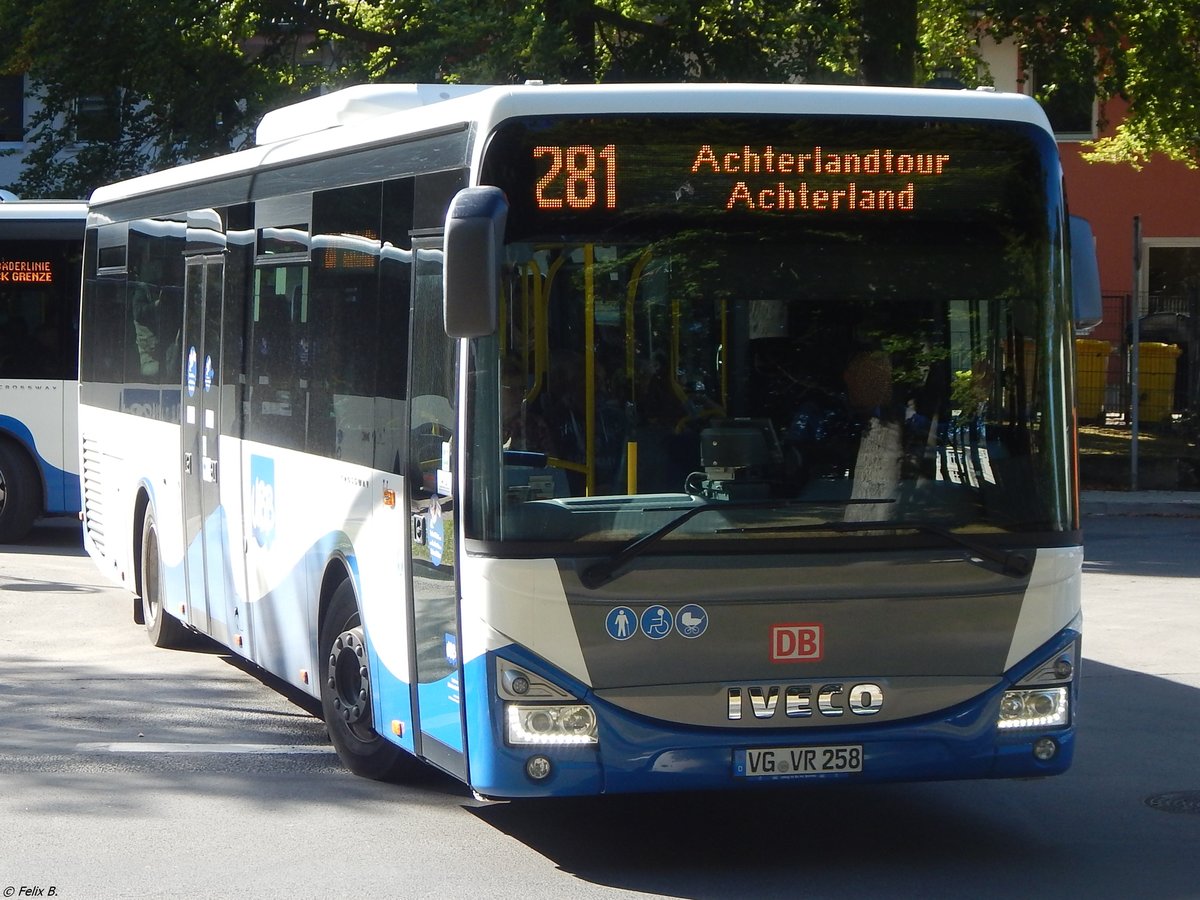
(61,487)
(262,499)
(440,714)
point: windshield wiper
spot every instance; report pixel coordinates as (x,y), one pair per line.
(605,570)
(1011,562)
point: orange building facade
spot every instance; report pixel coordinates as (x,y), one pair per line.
(1162,289)
(1154,271)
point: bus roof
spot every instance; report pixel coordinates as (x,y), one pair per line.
(370,115)
(43,209)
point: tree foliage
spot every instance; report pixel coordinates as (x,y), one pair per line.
(129,86)
(1145,53)
(1156,67)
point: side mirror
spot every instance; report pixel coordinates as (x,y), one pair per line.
(474,238)
(1085,276)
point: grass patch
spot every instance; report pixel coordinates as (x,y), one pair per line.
(1168,458)
(1108,440)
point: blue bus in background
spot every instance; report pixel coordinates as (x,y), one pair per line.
(41,244)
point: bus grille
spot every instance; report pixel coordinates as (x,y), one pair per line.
(93,492)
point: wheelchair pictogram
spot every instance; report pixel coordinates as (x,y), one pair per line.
(657,622)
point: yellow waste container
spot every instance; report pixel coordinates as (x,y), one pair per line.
(1156,381)
(1091,376)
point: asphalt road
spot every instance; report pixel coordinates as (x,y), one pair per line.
(127,771)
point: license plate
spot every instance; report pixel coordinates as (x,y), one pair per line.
(774,762)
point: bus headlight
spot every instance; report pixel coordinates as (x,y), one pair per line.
(1037,708)
(529,724)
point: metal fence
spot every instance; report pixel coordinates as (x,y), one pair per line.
(1159,451)
(1168,361)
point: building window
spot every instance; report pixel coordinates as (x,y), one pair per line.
(12,108)
(97,118)
(1070,103)
(1064,82)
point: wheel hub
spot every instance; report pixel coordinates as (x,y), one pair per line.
(348,678)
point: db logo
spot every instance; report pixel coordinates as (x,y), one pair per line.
(796,643)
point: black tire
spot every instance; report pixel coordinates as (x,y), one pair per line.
(163,628)
(20,493)
(346,695)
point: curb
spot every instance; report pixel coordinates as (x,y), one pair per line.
(1142,503)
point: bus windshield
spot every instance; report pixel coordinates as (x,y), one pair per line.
(808,322)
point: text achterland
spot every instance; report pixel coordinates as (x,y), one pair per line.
(846,179)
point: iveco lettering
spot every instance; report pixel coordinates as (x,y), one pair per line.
(802,700)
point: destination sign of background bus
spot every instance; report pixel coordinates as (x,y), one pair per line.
(40,271)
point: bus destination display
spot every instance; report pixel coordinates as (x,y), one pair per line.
(26,271)
(599,176)
(584,177)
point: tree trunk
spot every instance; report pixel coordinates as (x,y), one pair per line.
(876,472)
(889,46)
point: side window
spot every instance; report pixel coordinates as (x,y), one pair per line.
(155,302)
(103,320)
(327,353)
(278,359)
(68,317)
(343,337)
(433,195)
(432,392)
(239,293)
(395,293)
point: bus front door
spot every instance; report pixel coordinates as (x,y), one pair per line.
(207,564)
(437,699)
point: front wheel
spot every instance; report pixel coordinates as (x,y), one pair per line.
(346,699)
(20,493)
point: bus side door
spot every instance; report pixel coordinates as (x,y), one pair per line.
(431,495)
(207,563)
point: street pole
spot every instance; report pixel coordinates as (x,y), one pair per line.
(1135,309)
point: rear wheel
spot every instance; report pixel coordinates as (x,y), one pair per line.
(162,627)
(20,493)
(346,699)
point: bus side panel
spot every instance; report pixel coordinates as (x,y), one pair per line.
(69,501)
(289,549)
(233,534)
(280,608)
(124,455)
(380,565)
(41,416)
(393,699)
(216,559)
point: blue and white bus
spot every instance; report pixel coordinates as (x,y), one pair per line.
(41,246)
(598,439)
